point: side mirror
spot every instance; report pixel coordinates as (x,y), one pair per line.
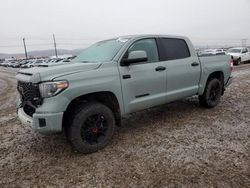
(135,57)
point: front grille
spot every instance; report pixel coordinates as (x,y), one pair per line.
(30,96)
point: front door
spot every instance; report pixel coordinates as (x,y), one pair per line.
(143,84)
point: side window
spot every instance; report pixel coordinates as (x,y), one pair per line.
(174,49)
(147,45)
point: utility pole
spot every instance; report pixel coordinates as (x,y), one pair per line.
(25,50)
(55,45)
(244,42)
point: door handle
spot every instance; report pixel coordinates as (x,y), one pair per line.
(195,64)
(127,76)
(160,68)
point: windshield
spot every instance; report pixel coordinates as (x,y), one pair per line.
(101,51)
(234,50)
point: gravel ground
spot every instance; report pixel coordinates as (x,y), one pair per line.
(175,145)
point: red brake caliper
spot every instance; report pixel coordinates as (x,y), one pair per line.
(94,130)
(99,121)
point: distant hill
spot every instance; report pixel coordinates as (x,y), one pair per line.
(42,53)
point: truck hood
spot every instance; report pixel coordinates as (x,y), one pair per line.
(39,74)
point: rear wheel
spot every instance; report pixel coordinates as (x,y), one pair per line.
(212,94)
(91,128)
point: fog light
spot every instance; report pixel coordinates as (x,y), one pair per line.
(42,122)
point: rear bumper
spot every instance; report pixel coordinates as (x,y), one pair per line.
(43,123)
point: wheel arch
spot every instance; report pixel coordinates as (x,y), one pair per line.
(217,74)
(105,97)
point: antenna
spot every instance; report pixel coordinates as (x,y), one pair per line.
(244,42)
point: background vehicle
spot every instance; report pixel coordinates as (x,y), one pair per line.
(28,64)
(15,64)
(215,51)
(239,55)
(211,52)
(4,63)
(10,63)
(38,62)
(43,62)
(115,77)
(25,64)
(55,60)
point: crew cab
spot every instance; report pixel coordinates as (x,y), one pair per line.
(88,97)
(239,55)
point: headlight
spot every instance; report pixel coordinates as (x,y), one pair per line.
(50,89)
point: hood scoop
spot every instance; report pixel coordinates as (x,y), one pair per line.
(24,73)
(43,65)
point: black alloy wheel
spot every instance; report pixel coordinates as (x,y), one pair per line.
(91,127)
(94,129)
(212,93)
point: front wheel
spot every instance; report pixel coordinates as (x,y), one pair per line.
(92,128)
(212,94)
(239,61)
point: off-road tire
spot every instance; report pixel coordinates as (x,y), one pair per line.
(76,132)
(212,93)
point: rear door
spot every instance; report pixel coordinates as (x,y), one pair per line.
(183,68)
(143,84)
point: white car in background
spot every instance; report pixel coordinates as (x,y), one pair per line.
(211,52)
(239,55)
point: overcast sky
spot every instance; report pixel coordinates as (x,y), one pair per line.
(78,23)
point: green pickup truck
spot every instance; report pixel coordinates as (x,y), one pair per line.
(88,97)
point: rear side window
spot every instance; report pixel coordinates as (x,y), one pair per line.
(174,49)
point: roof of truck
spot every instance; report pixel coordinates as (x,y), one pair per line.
(151,35)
